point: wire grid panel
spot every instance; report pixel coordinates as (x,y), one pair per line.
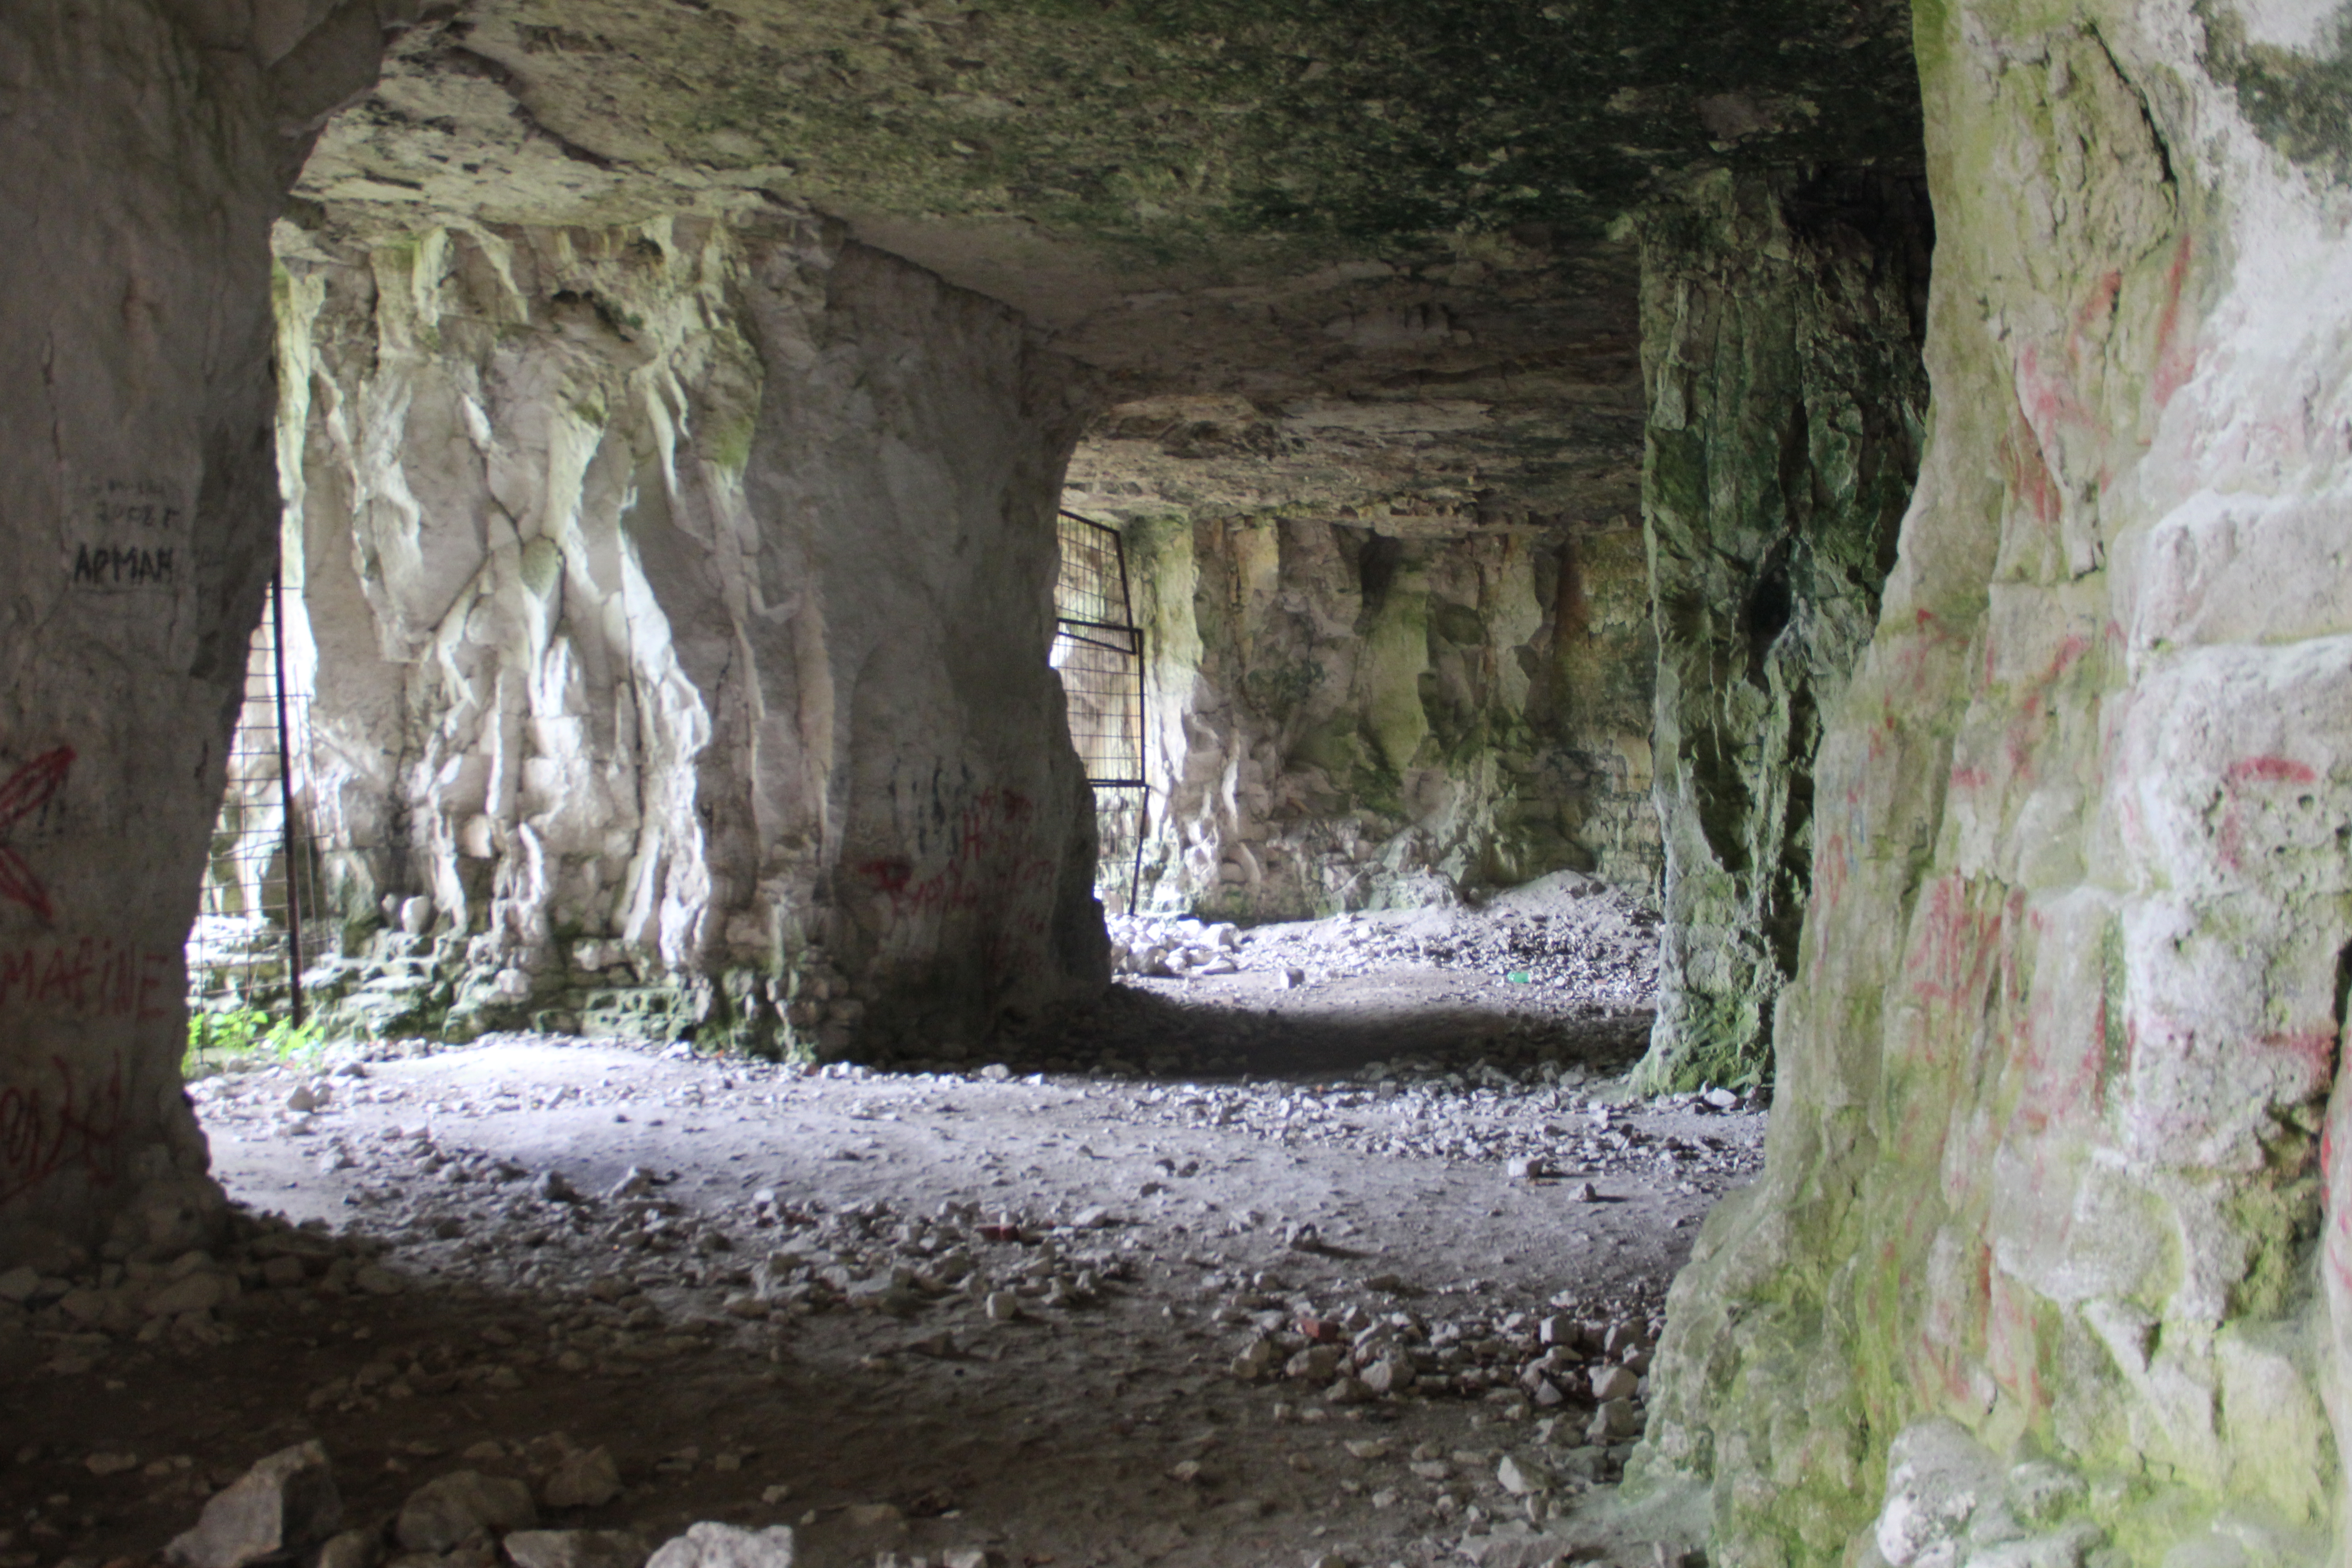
(1092,586)
(1098,653)
(1120,824)
(1102,682)
(240,953)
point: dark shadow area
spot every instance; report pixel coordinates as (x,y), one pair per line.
(1389,1017)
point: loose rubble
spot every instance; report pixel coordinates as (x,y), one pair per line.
(571,1297)
(1565,932)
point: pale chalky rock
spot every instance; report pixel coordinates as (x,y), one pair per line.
(1937,1477)
(1614,1422)
(2077,921)
(714,1545)
(882,453)
(286,1504)
(1613,1383)
(457,1507)
(574,1548)
(1519,1477)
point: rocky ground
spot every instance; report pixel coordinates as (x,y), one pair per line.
(1361,1265)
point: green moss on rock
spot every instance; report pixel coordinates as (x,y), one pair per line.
(1781,343)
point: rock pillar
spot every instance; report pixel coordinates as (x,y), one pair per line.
(682,599)
(1780,322)
(2045,1258)
(144,149)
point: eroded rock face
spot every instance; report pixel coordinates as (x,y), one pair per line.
(681,598)
(134,456)
(1347,716)
(2049,1179)
(1398,627)
(1787,401)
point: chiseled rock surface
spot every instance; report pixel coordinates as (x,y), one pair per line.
(143,151)
(1362,714)
(1787,405)
(2061,1051)
(680,595)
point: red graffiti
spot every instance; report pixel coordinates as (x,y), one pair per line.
(2230,838)
(2176,359)
(992,861)
(2271,770)
(46,1129)
(27,792)
(89,978)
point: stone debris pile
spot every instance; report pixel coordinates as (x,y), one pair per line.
(1586,1377)
(1549,1125)
(1204,1285)
(286,1509)
(1172,948)
(1564,934)
(187,1287)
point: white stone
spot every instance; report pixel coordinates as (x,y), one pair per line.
(714,1545)
(285,1504)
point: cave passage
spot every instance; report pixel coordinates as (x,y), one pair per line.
(817,1047)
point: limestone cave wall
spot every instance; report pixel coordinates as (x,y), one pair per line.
(2049,1260)
(679,595)
(1781,316)
(1345,715)
(136,503)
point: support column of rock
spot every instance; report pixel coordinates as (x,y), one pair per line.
(143,151)
(2048,1252)
(1779,319)
(681,597)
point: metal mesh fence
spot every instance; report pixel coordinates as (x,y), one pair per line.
(261,880)
(1098,654)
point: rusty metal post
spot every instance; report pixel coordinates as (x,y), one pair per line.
(285,794)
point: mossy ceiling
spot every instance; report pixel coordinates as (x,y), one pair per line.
(1162,125)
(1270,200)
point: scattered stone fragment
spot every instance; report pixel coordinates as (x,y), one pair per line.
(575,1549)
(351,1549)
(1520,1476)
(1613,1383)
(1614,1422)
(442,1513)
(286,1504)
(198,1291)
(582,1479)
(554,1187)
(710,1544)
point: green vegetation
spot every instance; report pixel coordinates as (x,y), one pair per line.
(215,1038)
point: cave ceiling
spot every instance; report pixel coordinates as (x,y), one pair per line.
(1278,211)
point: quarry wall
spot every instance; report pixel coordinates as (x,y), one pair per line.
(1345,716)
(140,501)
(680,595)
(1780,347)
(2048,1256)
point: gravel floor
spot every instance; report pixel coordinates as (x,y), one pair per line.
(1367,1274)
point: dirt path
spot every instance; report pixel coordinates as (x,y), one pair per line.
(1070,1318)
